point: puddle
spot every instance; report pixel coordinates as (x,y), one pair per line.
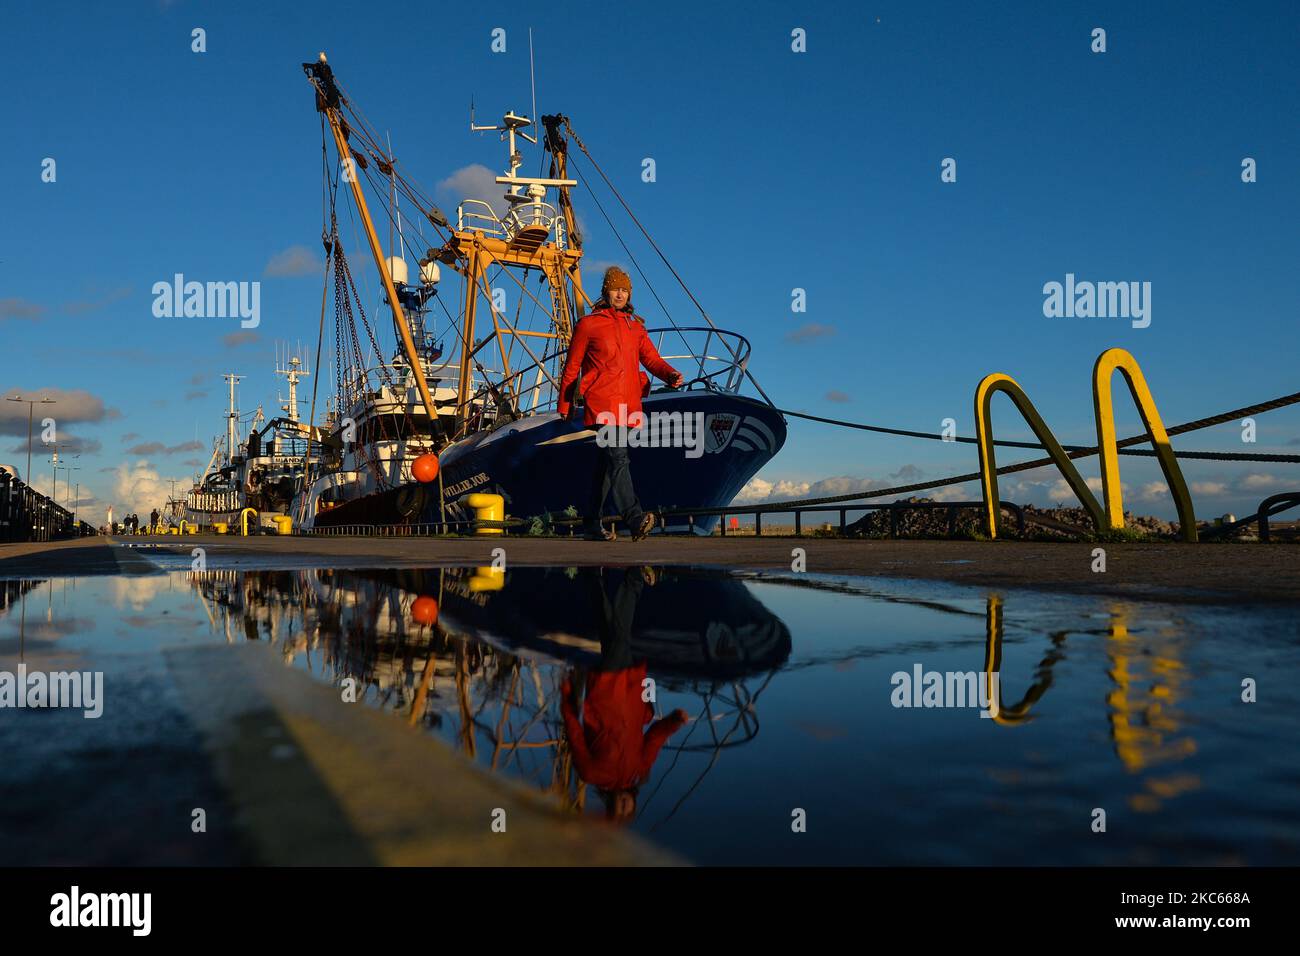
(789,687)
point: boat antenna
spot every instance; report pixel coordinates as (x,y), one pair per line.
(532,76)
(397,202)
(392,199)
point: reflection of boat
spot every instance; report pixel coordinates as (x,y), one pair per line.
(488,409)
(687,624)
(479,657)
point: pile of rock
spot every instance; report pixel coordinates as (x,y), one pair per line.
(1078,517)
(969,523)
(919,522)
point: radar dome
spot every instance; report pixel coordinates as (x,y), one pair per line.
(397,267)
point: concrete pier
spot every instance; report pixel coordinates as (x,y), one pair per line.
(288,773)
(1201,573)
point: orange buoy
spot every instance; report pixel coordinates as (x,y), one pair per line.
(425,610)
(425,468)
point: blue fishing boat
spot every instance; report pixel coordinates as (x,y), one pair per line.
(476,404)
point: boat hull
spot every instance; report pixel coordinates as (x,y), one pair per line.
(543,464)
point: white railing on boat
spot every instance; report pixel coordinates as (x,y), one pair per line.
(476,214)
(713,359)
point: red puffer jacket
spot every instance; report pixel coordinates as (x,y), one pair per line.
(609,347)
(609,748)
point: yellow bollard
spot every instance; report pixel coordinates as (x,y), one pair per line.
(488,508)
(487,579)
(219,527)
(283,524)
(243,520)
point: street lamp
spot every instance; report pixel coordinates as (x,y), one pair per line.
(54,497)
(30,403)
(71,468)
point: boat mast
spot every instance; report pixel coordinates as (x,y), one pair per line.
(327,103)
(526,239)
(232,419)
(559,149)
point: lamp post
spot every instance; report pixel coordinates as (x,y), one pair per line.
(70,469)
(54,497)
(31,403)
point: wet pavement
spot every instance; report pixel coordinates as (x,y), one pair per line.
(725,717)
(1206,573)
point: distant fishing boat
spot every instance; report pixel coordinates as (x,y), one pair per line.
(261,470)
(487,411)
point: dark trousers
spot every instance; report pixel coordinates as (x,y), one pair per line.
(613,476)
(614,618)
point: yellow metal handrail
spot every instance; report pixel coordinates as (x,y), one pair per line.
(1103,408)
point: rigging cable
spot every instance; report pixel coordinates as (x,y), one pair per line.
(1079,452)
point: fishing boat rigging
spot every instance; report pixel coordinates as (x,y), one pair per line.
(489,410)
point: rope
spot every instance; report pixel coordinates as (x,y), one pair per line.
(1144,452)
(1078,452)
(635,264)
(659,252)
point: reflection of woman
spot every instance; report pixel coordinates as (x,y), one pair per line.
(610,750)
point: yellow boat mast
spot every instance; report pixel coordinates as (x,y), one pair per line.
(327,103)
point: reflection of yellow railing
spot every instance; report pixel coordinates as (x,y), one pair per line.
(1144,715)
(1103,407)
(1002,714)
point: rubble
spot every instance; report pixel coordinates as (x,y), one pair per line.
(941,522)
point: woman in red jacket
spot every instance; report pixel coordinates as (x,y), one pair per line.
(609,346)
(613,749)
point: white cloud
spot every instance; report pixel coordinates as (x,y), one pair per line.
(1060,489)
(138,488)
(1260,482)
(762,491)
(1209,488)
(138,591)
(69,405)
(809,331)
(475,181)
(1153,491)
(294,261)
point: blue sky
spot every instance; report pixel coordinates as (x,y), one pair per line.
(775,170)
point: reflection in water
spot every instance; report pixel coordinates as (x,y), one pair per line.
(610,750)
(500,663)
(554,674)
(538,674)
(1016,713)
(1141,707)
